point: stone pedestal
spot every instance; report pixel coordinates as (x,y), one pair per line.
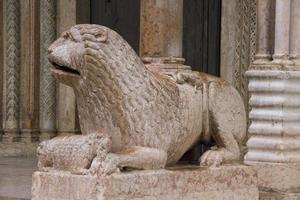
(225,182)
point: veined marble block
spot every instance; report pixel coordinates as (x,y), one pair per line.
(234,182)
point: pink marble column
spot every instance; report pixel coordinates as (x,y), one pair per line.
(295,32)
(265,30)
(282,32)
(161,28)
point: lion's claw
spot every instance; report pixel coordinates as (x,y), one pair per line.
(211,158)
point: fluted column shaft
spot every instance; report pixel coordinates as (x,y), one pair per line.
(12,67)
(265,25)
(282,30)
(295,32)
(47,83)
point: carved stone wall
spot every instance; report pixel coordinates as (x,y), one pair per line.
(28,94)
(12,68)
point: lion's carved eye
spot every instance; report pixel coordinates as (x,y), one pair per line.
(68,35)
(101,36)
(64,35)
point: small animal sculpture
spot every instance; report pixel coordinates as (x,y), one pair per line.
(152,118)
(73,153)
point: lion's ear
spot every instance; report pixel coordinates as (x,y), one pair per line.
(101,35)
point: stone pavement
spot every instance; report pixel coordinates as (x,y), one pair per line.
(15,177)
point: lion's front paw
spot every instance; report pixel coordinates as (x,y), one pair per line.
(104,167)
(108,168)
(211,158)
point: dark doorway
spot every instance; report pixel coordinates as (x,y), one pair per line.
(122,16)
(201,46)
(201,35)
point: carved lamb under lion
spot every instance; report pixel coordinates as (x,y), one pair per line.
(133,117)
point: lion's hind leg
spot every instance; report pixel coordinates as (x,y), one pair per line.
(227,123)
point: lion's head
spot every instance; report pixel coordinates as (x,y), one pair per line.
(102,69)
(67,53)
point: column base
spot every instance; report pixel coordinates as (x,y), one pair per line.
(296,62)
(261,59)
(10,135)
(47,134)
(68,132)
(226,182)
(282,61)
(30,135)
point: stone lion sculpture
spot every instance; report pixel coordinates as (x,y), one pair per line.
(151,119)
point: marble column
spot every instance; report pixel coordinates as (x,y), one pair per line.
(47,83)
(295,32)
(265,30)
(66,106)
(161,34)
(1,68)
(29,70)
(12,67)
(161,28)
(282,32)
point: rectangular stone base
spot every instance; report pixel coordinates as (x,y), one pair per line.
(226,182)
(278,180)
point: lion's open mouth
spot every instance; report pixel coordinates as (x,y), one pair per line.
(64,69)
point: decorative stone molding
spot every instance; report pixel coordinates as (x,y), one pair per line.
(47,83)
(12,67)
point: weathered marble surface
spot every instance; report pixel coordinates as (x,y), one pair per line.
(151,118)
(226,182)
(278,179)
